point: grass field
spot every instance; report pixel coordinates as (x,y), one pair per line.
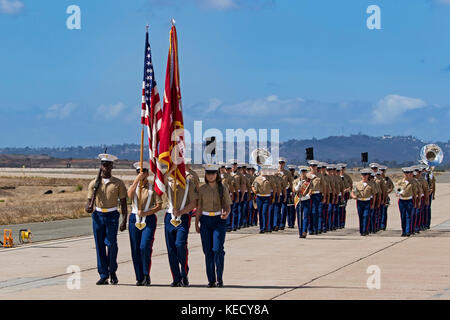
(24,199)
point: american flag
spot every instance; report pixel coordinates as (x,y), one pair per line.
(151,115)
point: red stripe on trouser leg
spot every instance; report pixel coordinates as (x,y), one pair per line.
(151,245)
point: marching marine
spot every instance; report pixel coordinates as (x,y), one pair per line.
(262,187)
(302,201)
(406,192)
(142,223)
(213,208)
(105,219)
(363,193)
(316,193)
(390,187)
(179,202)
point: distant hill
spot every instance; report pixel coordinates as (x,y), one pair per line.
(393,151)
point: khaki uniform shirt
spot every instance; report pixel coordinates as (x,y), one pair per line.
(317,184)
(108,195)
(248,180)
(263,185)
(287,177)
(432,184)
(326,180)
(389,183)
(193,176)
(364,191)
(424,184)
(155,200)
(408,187)
(419,190)
(340,184)
(209,198)
(237,180)
(191,196)
(348,181)
(382,185)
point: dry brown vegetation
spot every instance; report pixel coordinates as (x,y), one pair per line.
(27,202)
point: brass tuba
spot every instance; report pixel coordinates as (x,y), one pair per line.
(260,156)
(431,155)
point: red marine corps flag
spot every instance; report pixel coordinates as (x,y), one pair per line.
(151,115)
(171,145)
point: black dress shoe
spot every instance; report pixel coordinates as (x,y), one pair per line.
(281,228)
(403,235)
(185,282)
(211,284)
(261,231)
(176,284)
(140,283)
(234,229)
(147,281)
(228,230)
(275,229)
(303,235)
(220,284)
(113,278)
(102,281)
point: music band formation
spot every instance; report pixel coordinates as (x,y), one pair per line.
(237,195)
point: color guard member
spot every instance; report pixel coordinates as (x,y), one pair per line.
(105,218)
(213,209)
(142,233)
(176,233)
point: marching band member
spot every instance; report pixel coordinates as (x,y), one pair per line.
(389,186)
(142,233)
(213,209)
(316,194)
(363,193)
(341,196)
(262,186)
(233,189)
(348,187)
(406,192)
(302,201)
(287,187)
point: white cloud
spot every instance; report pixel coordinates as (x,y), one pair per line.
(443,1)
(214,104)
(60,111)
(110,111)
(220,4)
(263,107)
(11,6)
(391,107)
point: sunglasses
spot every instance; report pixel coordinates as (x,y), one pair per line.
(139,171)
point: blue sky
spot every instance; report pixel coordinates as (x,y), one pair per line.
(309,68)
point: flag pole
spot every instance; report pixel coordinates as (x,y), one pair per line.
(172,21)
(141,159)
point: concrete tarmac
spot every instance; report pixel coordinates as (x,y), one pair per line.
(278,265)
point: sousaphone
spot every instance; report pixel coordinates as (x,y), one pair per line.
(431,155)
